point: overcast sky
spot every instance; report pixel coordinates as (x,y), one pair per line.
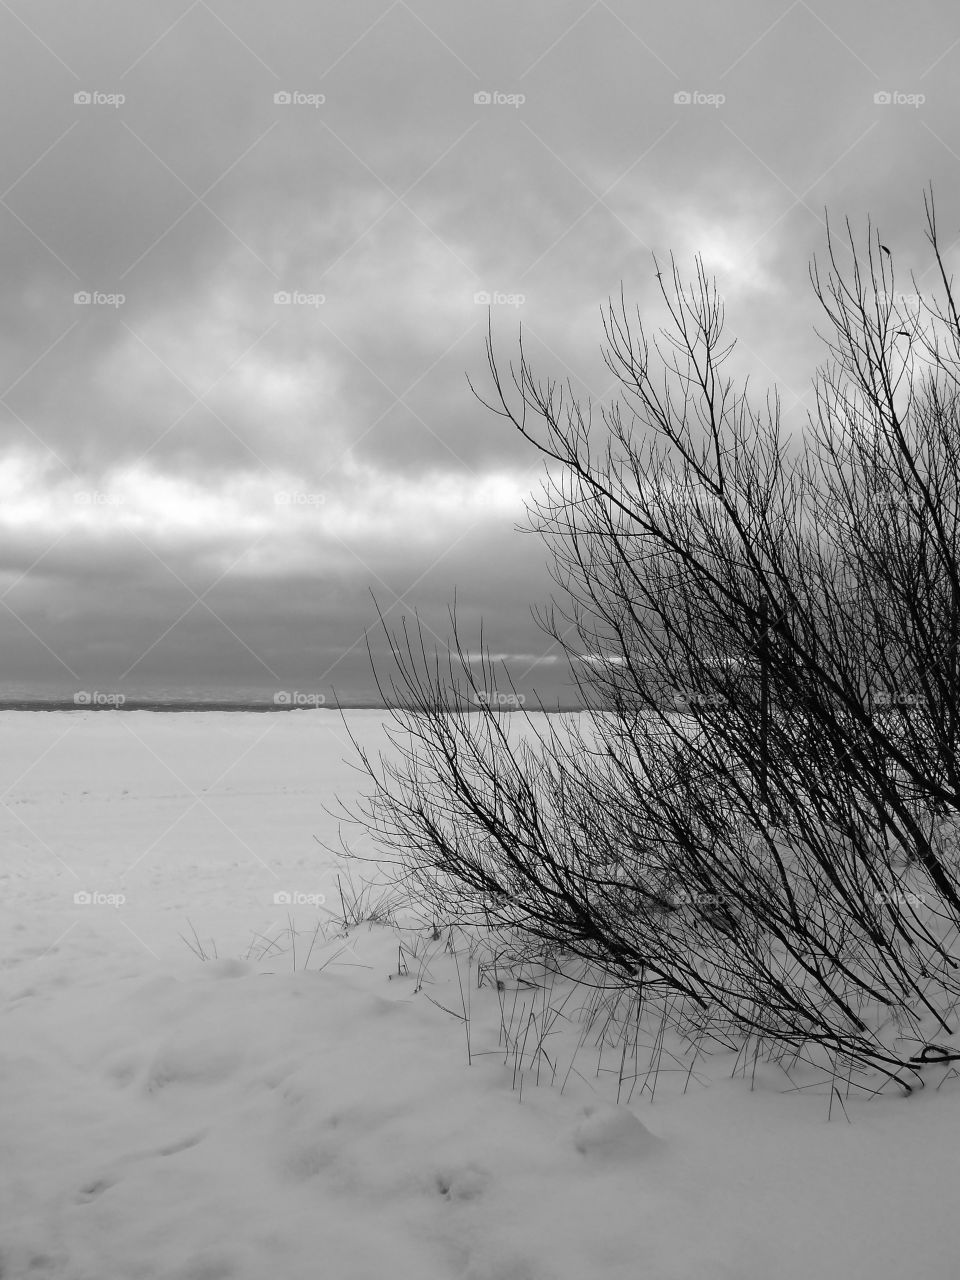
(202,485)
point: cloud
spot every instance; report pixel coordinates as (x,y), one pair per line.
(395,200)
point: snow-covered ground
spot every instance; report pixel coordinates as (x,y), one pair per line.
(268,1113)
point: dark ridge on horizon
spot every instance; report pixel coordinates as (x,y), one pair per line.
(214,704)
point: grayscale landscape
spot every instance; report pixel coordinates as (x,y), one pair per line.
(480,640)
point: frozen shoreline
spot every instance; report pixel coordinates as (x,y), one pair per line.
(167,1118)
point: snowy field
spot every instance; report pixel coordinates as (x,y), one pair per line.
(268,1113)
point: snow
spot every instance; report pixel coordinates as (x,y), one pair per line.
(254,1114)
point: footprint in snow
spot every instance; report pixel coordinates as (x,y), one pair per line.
(95,1188)
(613,1133)
(461,1182)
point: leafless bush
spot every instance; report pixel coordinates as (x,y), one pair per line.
(780,852)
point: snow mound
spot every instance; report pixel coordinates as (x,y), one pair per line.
(497,1261)
(200,1062)
(227,968)
(613,1133)
(461,1182)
